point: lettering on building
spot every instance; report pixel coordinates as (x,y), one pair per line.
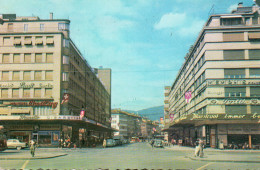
(34,104)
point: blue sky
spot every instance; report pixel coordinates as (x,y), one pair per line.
(143,41)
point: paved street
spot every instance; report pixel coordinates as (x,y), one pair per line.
(133,156)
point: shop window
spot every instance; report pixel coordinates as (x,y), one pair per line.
(48,92)
(48,75)
(7,41)
(5,75)
(234,54)
(38,40)
(17,58)
(49,58)
(26,93)
(27,58)
(16,75)
(6,58)
(37,92)
(15,93)
(27,75)
(65,59)
(234,73)
(38,58)
(255,109)
(254,91)
(236,109)
(254,72)
(4,93)
(37,75)
(254,54)
(235,91)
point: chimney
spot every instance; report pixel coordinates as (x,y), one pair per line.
(240,4)
(51,15)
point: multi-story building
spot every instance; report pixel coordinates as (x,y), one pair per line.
(48,91)
(127,124)
(215,96)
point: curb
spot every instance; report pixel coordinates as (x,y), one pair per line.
(210,160)
(213,150)
(32,158)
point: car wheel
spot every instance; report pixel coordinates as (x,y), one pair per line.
(18,148)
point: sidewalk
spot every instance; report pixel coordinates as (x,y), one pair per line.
(217,155)
(40,153)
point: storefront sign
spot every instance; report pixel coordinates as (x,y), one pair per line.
(234,101)
(25,85)
(23,117)
(34,104)
(233,82)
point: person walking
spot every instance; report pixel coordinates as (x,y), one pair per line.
(32,147)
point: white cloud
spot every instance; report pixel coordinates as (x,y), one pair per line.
(170,20)
(232,7)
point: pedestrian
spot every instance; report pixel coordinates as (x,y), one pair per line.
(32,147)
(201,154)
(197,149)
(104,143)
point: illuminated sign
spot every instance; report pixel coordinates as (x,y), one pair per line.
(34,104)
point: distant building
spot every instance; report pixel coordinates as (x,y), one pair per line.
(215,95)
(48,91)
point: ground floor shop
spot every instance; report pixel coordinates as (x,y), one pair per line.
(230,136)
(63,133)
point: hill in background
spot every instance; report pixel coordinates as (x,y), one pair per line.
(152,113)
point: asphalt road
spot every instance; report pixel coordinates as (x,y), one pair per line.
(132,156)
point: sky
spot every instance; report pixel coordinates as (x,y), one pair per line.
(144,42)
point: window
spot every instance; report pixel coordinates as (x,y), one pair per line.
(37,75)
(255,109)
(27,58)
(236,109)
(28,40)
(49,40)
(234,73)
(234,54)
(38,58)
(6,58)
(4,93)
(38,40)
(235,91)
(16,75)
(27,75)
(16,58)
(7,41)
(17,41)
(65,76)
(26,93)
(66,43)
(48,75)
(234,36)
(41,27)
(10,27)
(254,72)
(15,93)
(231,21)
(25,27)
(37,92)
(63,26)
(254,54)
(48,92)
(65,59)
(5,75)
(49,58)
(254,91)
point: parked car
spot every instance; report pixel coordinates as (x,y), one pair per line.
(15,143)
(118,141)
(110,143)
(158,143)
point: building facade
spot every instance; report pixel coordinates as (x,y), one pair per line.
(48,91)
(216,93)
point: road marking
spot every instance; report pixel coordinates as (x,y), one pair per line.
(205,166)
(24,165)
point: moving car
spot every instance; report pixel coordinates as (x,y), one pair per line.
(110,143)
(15,143)
(158,143)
